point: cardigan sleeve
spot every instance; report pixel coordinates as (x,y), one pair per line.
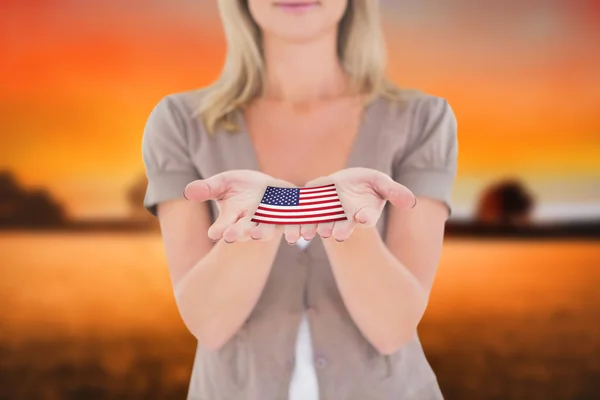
(428,166)
(166,155)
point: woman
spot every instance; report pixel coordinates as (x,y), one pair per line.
(303,101)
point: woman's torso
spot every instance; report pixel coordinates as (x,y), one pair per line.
(321,136)
(301,142)
(257,363)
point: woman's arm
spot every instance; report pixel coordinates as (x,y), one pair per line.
(216,285)
(386,285)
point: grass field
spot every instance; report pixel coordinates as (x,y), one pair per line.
(92,317)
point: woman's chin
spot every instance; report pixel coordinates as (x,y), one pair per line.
(300,31)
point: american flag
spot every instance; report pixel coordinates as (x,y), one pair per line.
(308,205)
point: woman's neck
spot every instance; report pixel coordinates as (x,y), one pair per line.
(303,72)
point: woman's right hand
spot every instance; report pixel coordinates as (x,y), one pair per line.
(237,194)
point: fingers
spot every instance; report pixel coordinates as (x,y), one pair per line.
(292,233)
(263,232)
(224,221)
(240,231)
(325,230)
(212,188)
(397,194)
(367,216)
(308,231)
(244,230)
(343,229)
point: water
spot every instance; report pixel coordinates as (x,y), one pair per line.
(93,317)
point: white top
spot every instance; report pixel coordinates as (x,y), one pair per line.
(304,385)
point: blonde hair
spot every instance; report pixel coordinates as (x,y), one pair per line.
(361,48)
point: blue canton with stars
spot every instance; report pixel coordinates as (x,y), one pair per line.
(281,196)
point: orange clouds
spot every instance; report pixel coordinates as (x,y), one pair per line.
(79,83)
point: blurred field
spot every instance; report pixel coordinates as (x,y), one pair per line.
(92,317)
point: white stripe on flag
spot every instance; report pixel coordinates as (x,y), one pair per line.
(307,190)
(323,199)
(304,207)
(328,193)
(258,218)
(262,211)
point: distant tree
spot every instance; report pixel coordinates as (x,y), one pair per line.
(22,208)
(507,202)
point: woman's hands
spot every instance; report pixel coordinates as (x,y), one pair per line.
(363,193)
(237,194)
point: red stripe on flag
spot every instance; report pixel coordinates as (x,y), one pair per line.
(299,216)
(267,208)
(284,222)
(305,192)
(310,202)
(317,187)
(322,196)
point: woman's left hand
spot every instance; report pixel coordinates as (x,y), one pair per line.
(363,193)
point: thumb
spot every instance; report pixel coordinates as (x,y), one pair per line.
(399,195)
(212,188)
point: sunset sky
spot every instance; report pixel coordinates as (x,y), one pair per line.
(79,78)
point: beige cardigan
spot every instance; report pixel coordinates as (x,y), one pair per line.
(416,145)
